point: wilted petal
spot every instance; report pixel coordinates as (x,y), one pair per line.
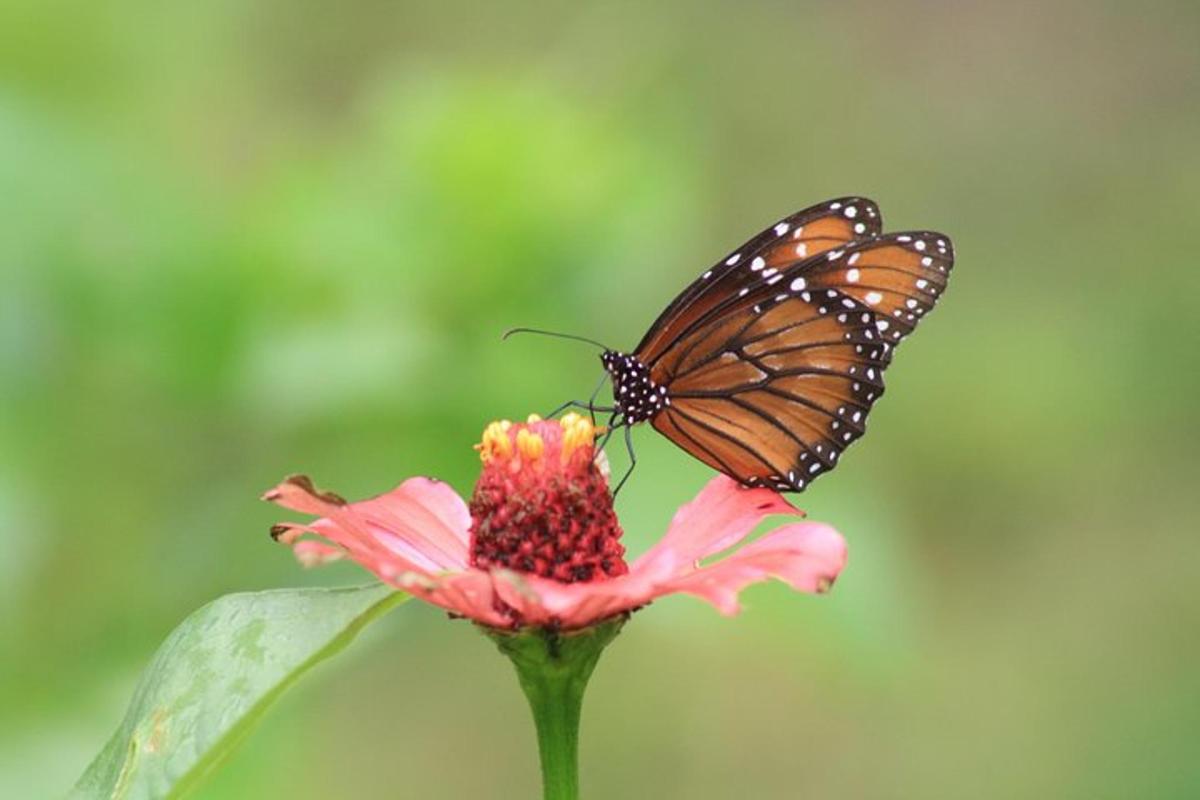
(413,538)
(421,520)
(311,553)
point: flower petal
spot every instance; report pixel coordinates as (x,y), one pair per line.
(413,537)
(426,514)
(722,515)
(468,594)
(808,556)
(311,553)
(542,601)
(421,520)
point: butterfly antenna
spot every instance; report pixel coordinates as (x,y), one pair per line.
(555,334)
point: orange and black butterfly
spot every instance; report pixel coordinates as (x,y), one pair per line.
(767,365)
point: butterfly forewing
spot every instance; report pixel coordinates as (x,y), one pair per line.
(761,262)
(899,277)
(779,392)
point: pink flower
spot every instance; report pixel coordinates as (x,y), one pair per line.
(539,544)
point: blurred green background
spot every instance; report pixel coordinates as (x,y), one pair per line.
(240,240)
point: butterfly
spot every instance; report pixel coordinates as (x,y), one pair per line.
(767,365)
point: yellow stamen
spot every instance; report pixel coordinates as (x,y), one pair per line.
(578,432)
(530,444)
(495,443)
(533,418)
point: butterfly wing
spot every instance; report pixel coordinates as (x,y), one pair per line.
(781,380)
(899,276)
(804,235)
(785,392)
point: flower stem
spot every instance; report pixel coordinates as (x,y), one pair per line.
(553,669)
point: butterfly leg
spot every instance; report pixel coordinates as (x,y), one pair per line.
(590,405)
(592,399)
(632,458)
(607,434)
(609,429)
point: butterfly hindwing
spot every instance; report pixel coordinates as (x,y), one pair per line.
(899,276)
(783,391)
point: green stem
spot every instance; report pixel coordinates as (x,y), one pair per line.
(553,669)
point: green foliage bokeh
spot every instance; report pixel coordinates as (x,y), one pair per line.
(240,240)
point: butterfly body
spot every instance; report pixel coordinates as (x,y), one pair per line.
(636,397)
(766,366)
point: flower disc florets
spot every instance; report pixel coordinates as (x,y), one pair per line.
(542,503)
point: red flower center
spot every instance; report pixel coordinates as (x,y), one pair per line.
(542,504)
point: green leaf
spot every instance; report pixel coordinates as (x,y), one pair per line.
(215,676)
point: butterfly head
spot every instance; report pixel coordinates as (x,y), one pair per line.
(636,397)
